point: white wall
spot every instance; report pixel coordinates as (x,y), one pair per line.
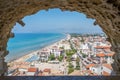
(96,70)
(22,70)
(30,73)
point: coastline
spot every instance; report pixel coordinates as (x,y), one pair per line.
(27,55)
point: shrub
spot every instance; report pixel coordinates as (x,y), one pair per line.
(70,70)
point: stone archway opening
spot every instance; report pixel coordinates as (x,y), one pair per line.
(106,13)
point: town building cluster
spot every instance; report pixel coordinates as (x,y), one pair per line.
(95,55)
(92,56)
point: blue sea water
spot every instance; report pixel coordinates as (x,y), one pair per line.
(23,43)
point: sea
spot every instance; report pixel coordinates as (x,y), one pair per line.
(24,43)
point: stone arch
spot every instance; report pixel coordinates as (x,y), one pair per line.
(106,13)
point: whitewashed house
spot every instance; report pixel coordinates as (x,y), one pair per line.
(85,49)
(43,55)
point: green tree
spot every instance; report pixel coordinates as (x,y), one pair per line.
(71,52)
(62,47)
(74,50)
(84,55)
(60,58)
(68,58)
(70,65)
(77,67)
(77,64)
(52,57)
(70,68)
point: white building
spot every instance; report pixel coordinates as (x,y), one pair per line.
(104,69)
(85,49)
(97,69)
(65,45)
(109,59)
(43,55)
(56,51)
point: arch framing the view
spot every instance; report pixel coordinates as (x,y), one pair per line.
(106,13)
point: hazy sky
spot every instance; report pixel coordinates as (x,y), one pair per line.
(56,21)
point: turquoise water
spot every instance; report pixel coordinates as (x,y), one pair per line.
(24,43)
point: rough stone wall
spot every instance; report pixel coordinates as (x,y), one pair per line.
(106,13)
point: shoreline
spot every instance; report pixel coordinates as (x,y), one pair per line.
(34,51)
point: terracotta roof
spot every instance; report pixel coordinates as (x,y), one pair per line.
(32,69)
(103,47)
(90,65)
(100,54)
(106,47)
(108,66)
(105,73)
(110,54)
(47,70)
